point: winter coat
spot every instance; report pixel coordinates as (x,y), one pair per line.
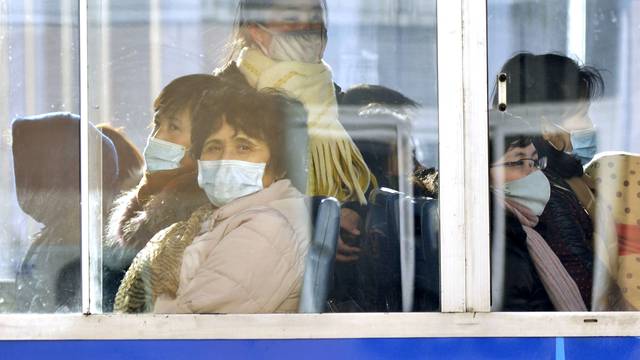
(521,288)
(568,230)
(139,214)
(247,258)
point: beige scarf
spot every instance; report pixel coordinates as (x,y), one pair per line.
(337,167)
(560,286)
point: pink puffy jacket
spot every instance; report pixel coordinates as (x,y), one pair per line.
(248,258)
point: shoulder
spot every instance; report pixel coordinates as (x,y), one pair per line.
(231,74)
(122,217)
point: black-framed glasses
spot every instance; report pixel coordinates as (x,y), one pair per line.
(540,164)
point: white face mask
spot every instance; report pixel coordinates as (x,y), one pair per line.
(162,155)
(532,191)
(226,180)
(302,45)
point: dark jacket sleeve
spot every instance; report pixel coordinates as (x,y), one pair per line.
(523,289)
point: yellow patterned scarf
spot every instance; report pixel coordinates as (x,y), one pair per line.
(337,167)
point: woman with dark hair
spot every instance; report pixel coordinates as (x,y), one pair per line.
(167,192)
(554,93)
(526,273)
(244,251)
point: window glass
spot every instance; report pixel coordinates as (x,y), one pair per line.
(564,156)
(39,157)
(178,83)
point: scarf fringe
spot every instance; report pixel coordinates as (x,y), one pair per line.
(338,170)
(336,165)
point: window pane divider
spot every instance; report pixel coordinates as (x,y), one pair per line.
(452,165)
(90,182)
(84,154)
(462,111)
(476,162)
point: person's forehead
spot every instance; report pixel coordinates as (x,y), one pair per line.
(302,11)
(521,150)
(228,132)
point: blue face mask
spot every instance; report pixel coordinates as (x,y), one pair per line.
(584,145)
(162,155)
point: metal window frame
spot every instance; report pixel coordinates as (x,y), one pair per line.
(462,79)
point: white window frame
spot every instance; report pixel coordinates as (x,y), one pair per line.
(464,213)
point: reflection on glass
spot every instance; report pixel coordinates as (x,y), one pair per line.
(575,117)
(373,148)
(39,217)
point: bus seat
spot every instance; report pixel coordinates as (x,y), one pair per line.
(318,272)
(427,278)
(379,264)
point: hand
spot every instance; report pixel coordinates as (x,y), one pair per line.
(349,230)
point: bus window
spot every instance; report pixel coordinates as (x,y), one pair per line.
(40,153)
(178,79)
(563,160)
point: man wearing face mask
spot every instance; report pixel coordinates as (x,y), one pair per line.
(527,274)
(280,44)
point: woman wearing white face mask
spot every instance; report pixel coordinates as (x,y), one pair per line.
(554,93)
(168,192)
(244,252)
(527,274)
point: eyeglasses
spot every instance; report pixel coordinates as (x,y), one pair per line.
(540,164)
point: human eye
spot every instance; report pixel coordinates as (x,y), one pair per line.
(244,146)
(212,148)
(173,126)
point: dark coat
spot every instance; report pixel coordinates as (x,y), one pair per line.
(568,230)
(523,289)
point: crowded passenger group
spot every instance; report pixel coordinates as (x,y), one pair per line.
(213,217)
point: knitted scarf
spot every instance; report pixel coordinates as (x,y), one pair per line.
(561,288)
(337,167)
(156,269)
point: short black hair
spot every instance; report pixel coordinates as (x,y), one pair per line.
(548,79)
(365,94)
(266,114)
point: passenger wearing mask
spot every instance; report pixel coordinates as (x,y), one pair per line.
(280,44)
(244,251)
(168,192)
(554,93)
(527,274)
